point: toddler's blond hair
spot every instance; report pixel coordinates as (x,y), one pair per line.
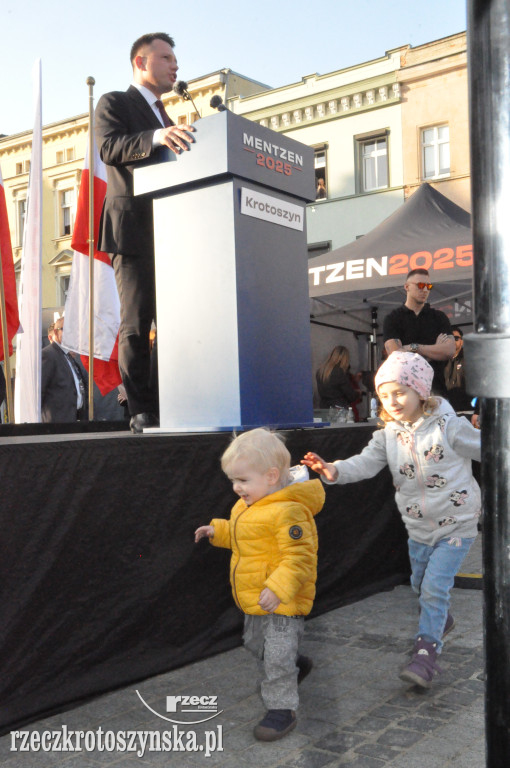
(262,448)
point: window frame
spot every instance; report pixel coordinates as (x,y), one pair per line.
(319,149)
(21,203)
(361,140)
(435,144)
(70,207)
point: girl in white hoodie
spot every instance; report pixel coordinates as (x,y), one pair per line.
(428,449)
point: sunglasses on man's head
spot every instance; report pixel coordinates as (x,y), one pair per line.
(421,286)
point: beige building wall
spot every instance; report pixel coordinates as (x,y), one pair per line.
(434,88)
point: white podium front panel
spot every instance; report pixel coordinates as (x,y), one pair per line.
(197,309)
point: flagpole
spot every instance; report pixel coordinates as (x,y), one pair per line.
(91,82)
(5,338)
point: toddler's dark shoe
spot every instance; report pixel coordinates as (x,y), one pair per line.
(275,725)
(423,664)
(305,666)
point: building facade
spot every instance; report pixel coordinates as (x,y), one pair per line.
(353,120)
(62,159)
(433,82)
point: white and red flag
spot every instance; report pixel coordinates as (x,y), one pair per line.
(27,394)
(106,297)
(11,300)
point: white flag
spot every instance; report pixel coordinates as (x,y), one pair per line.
(27,403)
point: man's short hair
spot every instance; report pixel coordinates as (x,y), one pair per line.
(418,271)
(148,40)
(51,327)
(261,448)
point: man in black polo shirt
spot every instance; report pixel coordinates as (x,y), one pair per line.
(416,327)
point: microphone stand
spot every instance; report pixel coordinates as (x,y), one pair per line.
(181,88)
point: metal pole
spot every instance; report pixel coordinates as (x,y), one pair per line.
(91,82)
(5,338)
(488,349)
(373,340)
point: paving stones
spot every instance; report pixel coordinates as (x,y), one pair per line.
(354,710)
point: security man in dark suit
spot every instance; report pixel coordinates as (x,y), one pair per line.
(63,388)
(132,129)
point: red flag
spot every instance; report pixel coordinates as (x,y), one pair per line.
(106,299)
(11,301)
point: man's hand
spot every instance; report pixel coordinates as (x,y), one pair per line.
(442,349)
(177,137)
(268,600)
(320,466)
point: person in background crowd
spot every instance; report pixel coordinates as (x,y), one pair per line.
(416,327)
(63,387)
(334,383)
(429,451)
(454,377)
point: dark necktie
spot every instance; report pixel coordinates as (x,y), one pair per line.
(166,120)
(76,368)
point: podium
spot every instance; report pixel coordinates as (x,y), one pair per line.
(231,278)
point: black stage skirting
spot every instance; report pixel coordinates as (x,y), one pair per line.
(102,584)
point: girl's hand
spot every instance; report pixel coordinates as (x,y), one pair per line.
(320,466)
(205,531)
(268,601)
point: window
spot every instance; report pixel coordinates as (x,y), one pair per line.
(21,210)
(65,155)
(435,151)
(63,281)
(373,161)
(66,210)
(320,162)
(62,266)
(22,167)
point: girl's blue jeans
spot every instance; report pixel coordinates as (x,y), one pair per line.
(433,571)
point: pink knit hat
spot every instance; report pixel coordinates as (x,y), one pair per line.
(407,368)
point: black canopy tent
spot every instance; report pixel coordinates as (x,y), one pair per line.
(364,280)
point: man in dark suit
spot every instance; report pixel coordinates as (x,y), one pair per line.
(63,388)
(132,129)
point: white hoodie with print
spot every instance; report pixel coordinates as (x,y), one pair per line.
(430,462)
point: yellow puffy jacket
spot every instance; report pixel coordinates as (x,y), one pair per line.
(274,544)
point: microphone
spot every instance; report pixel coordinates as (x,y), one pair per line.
(181,89)
(217,103)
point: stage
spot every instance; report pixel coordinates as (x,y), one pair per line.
(102,584)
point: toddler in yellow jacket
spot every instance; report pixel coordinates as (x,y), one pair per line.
(273,568)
